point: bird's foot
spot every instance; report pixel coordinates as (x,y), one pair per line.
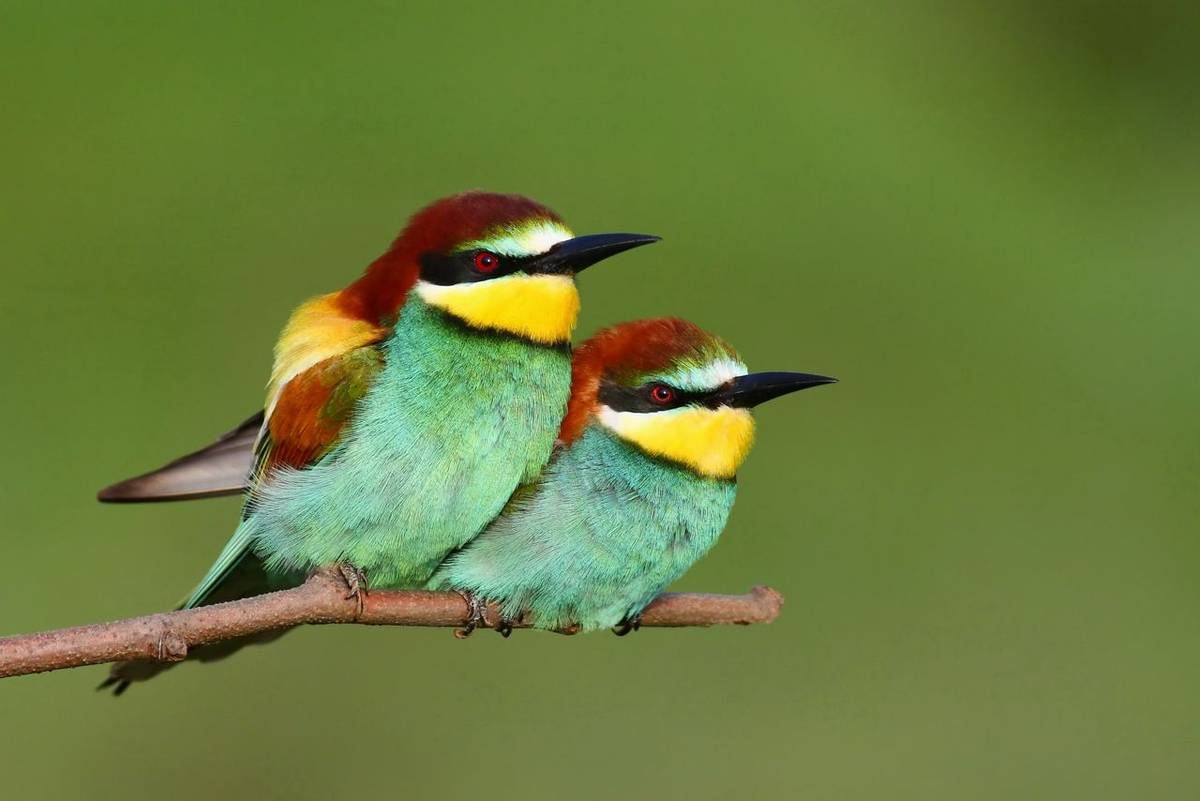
(476,614)
(504,627)
(356,583)
(627,625)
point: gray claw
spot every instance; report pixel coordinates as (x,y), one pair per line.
(476,610)
(356,583)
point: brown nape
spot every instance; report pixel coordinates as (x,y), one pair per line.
(439,227)
(636,347)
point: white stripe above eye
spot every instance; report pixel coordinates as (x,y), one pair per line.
(622,421)
(701,377)
(530,239)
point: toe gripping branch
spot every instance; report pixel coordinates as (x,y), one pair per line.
(478,613)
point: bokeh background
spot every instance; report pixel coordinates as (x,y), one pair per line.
(982,219)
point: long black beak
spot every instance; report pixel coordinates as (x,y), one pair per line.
(756,388)
(575,255)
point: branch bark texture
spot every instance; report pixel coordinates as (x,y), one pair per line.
(166,637)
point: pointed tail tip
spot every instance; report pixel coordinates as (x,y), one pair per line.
(143,490)
(127,491)
(118,684)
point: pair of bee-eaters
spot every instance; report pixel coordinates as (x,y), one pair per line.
(427,426)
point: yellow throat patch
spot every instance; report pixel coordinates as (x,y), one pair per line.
(542,308)
(713,442)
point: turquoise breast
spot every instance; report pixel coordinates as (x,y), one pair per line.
(456,419)
(605,531)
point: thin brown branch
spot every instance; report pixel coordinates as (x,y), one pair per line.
(166,637)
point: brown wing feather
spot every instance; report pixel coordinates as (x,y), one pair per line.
(314,407)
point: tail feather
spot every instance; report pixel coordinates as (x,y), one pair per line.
(219,469)
(121,684)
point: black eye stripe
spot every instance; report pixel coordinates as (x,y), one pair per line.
(637,399)
(447,269)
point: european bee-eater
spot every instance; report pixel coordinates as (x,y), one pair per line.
(639,488)
(404,410)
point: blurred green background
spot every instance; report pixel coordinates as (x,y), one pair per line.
(983,220)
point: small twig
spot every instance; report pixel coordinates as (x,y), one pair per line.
(166,637)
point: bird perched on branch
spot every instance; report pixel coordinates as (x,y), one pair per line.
(640,486)
(403,411)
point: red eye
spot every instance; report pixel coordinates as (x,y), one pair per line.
(486,262)
(661,394)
